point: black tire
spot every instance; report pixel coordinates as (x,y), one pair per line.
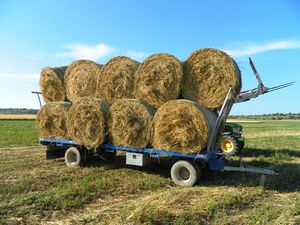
(241,146)
(73,157)
(229,145)
(185,173)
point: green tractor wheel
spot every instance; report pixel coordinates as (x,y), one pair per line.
(229,145)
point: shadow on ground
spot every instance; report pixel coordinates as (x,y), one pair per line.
(154,167)
(251,152)
(287,179)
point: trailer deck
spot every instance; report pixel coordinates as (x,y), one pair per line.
(75,154)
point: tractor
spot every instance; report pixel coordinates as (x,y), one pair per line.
(231,141)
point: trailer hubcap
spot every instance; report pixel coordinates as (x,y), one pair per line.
(72,157)
(184,173)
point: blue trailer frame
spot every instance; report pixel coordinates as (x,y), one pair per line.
(213,160)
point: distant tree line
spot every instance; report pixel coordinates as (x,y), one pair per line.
(18,111)
(274,116)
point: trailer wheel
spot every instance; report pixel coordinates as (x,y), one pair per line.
(184,173)
(73,157)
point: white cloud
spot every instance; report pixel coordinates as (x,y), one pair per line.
(20,75)
(259,48)
(136,55)
(96,52)
(82,51)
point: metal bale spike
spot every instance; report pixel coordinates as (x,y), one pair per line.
(280,86)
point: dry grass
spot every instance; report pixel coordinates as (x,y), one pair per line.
(158,79)
(130,123)
(17,117)
(117,79)
(52,84)
(52,120)
(208,74)
(87,121)
(81,79)
(182,126)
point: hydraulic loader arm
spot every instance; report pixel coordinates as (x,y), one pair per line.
(260,90)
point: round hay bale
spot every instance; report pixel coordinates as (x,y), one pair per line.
(81,79)
(208,74)
(182,126)
(117,78)
(158,79)
(52,84)
(52,120)
(87,121)
(130,123)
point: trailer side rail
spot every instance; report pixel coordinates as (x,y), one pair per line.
(109,147)
(57,142)
(215,162)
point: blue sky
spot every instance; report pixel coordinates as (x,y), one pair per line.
(36,34)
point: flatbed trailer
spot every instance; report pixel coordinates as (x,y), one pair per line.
(186,168)
(185,171)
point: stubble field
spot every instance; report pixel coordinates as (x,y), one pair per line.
(34,190)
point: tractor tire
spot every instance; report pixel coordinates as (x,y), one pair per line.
(241,146)
(185,173)
(229,145)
